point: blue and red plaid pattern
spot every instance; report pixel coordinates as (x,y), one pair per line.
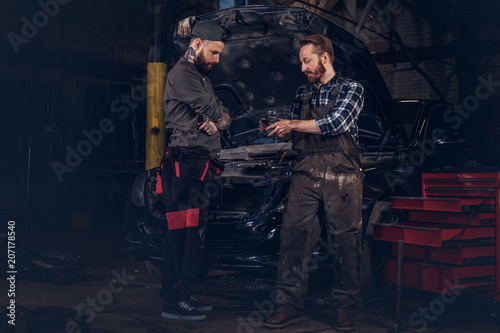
(345,113)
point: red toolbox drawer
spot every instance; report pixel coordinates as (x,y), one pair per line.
(460,176)
(441,278)
(457,192)
(438,185)
(452,218)
(450,255)
(433,236)
(481,183)
(452,184)
(458,214)
(443,204)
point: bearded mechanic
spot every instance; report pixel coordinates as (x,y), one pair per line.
(194,117)
(327,179)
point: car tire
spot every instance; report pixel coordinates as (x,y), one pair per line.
(374,251)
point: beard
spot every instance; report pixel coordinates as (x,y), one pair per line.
(203,66)
(315,76)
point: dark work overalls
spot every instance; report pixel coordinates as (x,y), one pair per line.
(325,191)
(186,181)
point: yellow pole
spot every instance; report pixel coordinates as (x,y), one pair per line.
(155,117)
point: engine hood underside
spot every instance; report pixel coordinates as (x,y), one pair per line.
(259,69)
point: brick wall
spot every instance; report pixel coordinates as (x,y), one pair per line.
(434,31)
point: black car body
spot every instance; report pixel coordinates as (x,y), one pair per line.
(260,71)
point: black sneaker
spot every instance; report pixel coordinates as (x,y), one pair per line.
(182,310)
(199,306)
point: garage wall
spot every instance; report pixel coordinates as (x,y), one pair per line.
(63,77)
(62,64)
(453,42)
(55,51)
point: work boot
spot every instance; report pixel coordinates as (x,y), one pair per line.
(345,323)
(282,320)
(182,310)
(199,306)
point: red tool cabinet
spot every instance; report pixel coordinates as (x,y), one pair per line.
(450,239)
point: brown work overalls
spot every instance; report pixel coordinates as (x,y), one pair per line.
(325,191)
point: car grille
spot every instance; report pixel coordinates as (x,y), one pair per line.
(232,238)
(228,247)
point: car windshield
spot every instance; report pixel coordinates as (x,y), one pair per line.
(429,120)
(408,113)
(447,128)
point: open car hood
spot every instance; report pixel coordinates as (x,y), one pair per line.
(260,70)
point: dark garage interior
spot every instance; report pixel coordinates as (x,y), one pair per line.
(75,134)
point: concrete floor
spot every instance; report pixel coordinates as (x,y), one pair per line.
(238,299)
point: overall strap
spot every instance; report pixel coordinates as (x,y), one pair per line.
(331,100)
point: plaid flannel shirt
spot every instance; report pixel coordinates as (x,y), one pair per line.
(345,113)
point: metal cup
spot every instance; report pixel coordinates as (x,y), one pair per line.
(271,117)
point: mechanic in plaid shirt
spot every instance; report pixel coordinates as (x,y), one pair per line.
(345,113)
(326,187)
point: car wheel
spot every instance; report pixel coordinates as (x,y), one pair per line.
(375,251)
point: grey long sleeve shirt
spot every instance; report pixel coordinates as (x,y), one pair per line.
(189,99)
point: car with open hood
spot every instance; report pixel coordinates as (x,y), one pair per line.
(259,71)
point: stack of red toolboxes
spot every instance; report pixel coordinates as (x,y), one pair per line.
(450,235)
